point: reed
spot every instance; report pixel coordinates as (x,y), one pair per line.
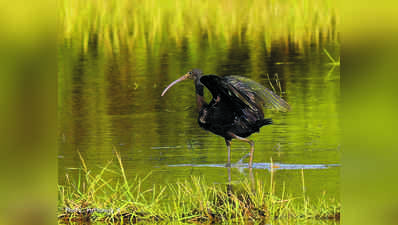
(332,60)
(150,22)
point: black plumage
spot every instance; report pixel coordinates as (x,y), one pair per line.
(236,108)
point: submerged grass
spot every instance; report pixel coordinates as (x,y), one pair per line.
(93,197)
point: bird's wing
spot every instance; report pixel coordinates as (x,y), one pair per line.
(244,91)
(254,94)
(219,88)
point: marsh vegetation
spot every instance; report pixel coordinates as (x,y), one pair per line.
(91,197)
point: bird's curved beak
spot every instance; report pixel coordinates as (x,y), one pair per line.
(186,76)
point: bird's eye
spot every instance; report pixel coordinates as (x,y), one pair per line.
(190,73)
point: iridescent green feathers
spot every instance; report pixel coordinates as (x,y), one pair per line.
(253,93)
(247,91)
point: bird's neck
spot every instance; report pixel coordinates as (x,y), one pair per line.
(200,100)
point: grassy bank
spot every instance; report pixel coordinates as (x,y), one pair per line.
(93,197)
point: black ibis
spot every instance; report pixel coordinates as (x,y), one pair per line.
(236,109)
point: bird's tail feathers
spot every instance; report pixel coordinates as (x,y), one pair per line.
(264,122)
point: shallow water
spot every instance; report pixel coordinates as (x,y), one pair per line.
(111,100)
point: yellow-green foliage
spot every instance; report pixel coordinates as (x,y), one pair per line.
(143,22)
(191,200)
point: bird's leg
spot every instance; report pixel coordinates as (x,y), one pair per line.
(251,143)
(229,179)
(229,186)
(228,142)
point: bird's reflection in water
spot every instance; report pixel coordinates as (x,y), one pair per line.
(229,184)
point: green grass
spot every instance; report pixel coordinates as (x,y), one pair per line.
(333,61)
(90,197)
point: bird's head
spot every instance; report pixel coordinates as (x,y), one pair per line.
(194,74)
